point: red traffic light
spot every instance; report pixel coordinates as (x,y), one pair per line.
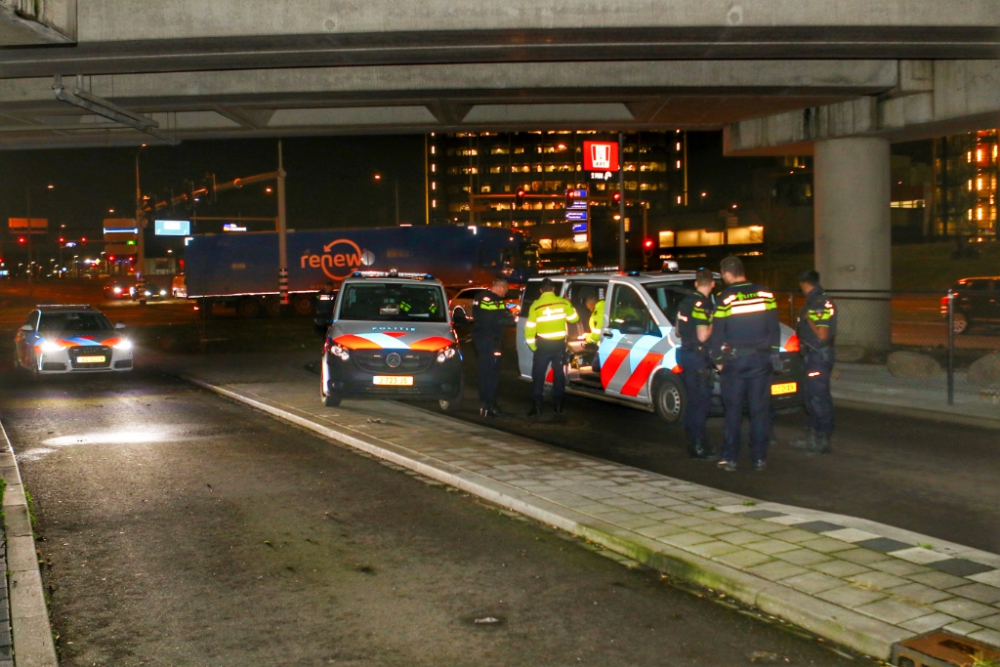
(83,239)
(111,258)
(617,197)
(648,244)
(62,239)
(22,240)
(520,194)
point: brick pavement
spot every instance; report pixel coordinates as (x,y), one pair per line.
(853,581)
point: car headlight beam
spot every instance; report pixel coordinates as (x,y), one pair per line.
(124,345)
(340,352)
(51,347)
(446,354)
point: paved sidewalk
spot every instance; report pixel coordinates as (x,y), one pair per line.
(855,582)
(872,387)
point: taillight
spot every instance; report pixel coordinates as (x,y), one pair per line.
(793,344)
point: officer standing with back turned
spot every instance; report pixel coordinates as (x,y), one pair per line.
(817,330)
(745,335)
(694,326)
(545,332)
(489,319)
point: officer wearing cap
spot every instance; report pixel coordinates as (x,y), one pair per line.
(694,327)
(545,332)
(817,330)
(745,335)
(489,319)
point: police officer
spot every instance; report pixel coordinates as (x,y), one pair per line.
(596,321)
(324,307)
(745,335)
(694,327)
(545,333)
(817,330)
(489,319)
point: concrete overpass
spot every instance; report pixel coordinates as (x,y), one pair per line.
(841,78)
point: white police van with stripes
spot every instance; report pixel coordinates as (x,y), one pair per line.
(635,363)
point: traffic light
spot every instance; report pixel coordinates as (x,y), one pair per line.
(111,258)
(519,198)
(83,239)
(62,239)
(647,247)
(616,197)
(22,240)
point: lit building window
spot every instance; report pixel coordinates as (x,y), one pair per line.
(680,199)
(666,239)
(434,203)
(678,164)
(979,183)
(979,213)
(910,203)
(434,185)
(434,150)
(678,145)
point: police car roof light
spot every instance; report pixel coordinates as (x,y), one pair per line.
(578,269)
(392,274)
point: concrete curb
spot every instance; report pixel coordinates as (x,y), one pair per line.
(29,614)
(916,413)
(857,631)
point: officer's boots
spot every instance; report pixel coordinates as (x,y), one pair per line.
(699,449)
(536,409)
(807,442)
(557,407)
(489,410)
(495,410)
(821,444)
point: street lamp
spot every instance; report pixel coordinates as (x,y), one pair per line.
(395,182)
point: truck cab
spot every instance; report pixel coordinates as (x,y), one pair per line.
(635,361)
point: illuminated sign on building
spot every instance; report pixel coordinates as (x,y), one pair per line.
(600,156)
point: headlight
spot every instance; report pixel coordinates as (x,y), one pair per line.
(124,345)
(118,290)
(338,351)
(163,292)
(49,347)
(446,354)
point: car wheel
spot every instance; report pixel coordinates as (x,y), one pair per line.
(669,399)
(960,323)
(452,404)
(248,308)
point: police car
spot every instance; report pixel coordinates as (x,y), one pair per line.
(391,337)
(635,363)
(57,340)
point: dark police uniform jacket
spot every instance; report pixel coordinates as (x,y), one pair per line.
(489,319)
(696,310)
(822,312)
(745,323)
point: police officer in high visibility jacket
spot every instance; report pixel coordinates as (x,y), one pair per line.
(489,319)
(694,327)
(745,335)
(817,330)
(545,333)
(596,321)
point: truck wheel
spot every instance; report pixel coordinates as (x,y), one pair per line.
(303,304)
(273,307)
(669,399)
(248,307)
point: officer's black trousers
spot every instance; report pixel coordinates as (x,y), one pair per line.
(819,402)
(489,371)
(548,353)
(746,383)
(698,380)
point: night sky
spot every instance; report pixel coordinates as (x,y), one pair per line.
(330,181)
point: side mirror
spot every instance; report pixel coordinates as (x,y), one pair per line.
(27,327)
(119,325)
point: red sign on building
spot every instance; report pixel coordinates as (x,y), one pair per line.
(600,156)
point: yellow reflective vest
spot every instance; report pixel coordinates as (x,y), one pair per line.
(596,323)
(547,319)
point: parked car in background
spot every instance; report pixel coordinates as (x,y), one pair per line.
(977,301)
(71,339)
(460,305)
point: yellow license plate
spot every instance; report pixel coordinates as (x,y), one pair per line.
(785,388)
(393,380)
(91,360)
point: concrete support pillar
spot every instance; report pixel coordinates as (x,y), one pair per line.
(854,236)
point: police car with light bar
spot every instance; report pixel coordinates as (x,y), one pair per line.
(391,337)
(635,363)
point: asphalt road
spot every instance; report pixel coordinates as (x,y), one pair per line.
(177,528)
(935,478)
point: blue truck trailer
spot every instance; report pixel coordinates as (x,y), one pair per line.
(240,270)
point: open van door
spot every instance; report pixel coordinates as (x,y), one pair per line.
(531,293)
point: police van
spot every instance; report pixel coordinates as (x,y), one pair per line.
(635,361)
(391,337)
